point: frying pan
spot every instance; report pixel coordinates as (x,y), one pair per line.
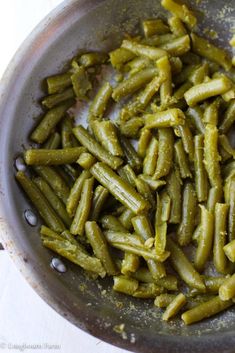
(90,305)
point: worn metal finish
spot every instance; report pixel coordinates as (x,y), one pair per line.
(92,306)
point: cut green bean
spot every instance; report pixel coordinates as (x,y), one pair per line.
(214,196)
(52,100)
(163,300)
(93,58)
(174,307)
(187,138)
(80,82)
(144,189)
(130,263)
(164,67)
(229,250)
(176,26)
(207,90)
(143,143)
(67,137)
(147,290)
(167,118)
(119,57)
(125,219)
(219,258)
(227,289)
(154,26)
(211,113)
(119,188)
(112,223)
(53,142)
(128,174)
(184,268)
(83,209)
(130,153)
(205,49)
(143,50)
(180,11)
(49,121)
(100,247)
(201,181)
(100,102)
(229,118)
(224,142)
(182,161)
(177,46)
(95,148)
(174,191)
(189,209)
(40,202)
(86,160)
(58,83)
(165,155)
(195,114)
(54,179)
(125,284)
(53,200)
(100,197)
(211,155)
(132,127)
(205,310)
(150,160)
(133,83)
(205,240)
(52,157)
(213,283)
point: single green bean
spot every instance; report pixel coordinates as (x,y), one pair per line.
(52,157)
(125,284)
(40,202)
(49,121)
(229,250)
(214,196)
(100,247)
(174,307)
(150,160)
(224,142)
(130,153)
(93,58)
(229,118)
(189,210)
(154,184)
(119,57)
(177,46)
(213,283)
(163,300)
(176,26)
(58,83)
(112,223)
(154,26)
(100,197)
(227,289)
(205,49)
(184,268)
(201,182)
(132,127)
(181,11)
(219,258)
(205,240)
(125,219)
(80,82)
(165,155)
(86,160)
(143,143)
(164,67)
(144,189)
(174,191)
(52,100)
(167,118)
(179,93)
(53,142)
(206,90)
(211,113)
(83,209)
(211,155)
(143,50)
(119,188)
(142,226)
(182,161)
(195,114)
(187,138)
(147,290)
(95,148)
(130,263)
(67,137)
(101,100)
(205,310)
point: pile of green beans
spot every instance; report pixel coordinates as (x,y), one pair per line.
(133,212)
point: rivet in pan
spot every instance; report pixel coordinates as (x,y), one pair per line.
(31,218)
(19,164)
(58,265)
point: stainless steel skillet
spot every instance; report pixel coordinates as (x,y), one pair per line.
(91,24)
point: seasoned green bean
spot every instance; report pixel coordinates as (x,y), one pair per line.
(201,182)
(189,209)
(176,26)
(206,90)
(119,188)
(53,142)
(179,93)
(125,219)
(100,102)
(168,282)
(49,121)
(132,127)
(213,283)
(174,307)
(100,247)
(205,240)
(214,196)
(180,11)
(67,137)
(128,174)
(80,82)
(93,58)
(187,138)
(95,148)
(52,157)
(163,300)
(144,189)
(100,197)
(211,113)
(131,155)
(83,209)
(177,46)
(125,284)
(58,83)
(143,143)
(86,160)
(133,83)
(227,289)
(182,161)
(205,310)
(231,215)
(154,26)
(54,179)
(130,263)
(229,250)
(52,100)
(184,268)
(147,290)
(205,49)
(165,155)
(112,223)
(53,200)
(195,114)
(40,202)
(174,191)
(219,258)
(143,50)
(224,142)
(142,226)
(167,118)
(164,67)
(229,118)
(211,155)
(150,160)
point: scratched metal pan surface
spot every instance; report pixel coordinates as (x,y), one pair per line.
(91,306)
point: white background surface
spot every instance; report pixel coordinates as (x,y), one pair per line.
(24,318)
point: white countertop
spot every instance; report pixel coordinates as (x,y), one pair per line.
(27,324)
